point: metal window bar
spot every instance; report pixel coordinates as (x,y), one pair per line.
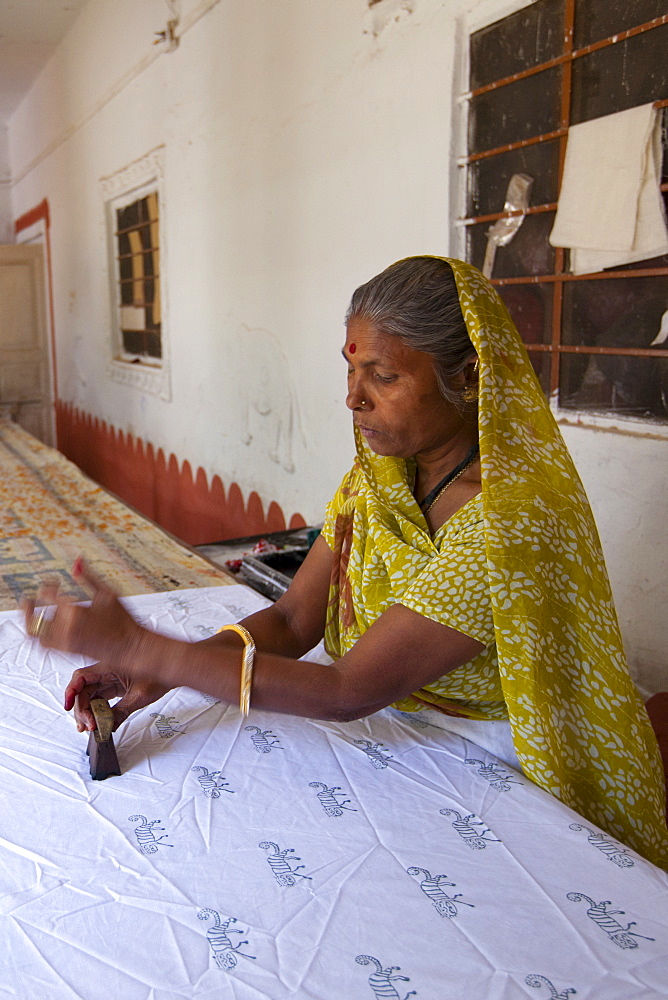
(630,352)
(558,133)
(144,224)
(570,56)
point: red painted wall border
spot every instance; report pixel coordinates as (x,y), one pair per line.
(191,507)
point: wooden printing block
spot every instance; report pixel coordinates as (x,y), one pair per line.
(101,750)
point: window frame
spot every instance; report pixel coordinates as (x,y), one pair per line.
(127,185)
(559,277)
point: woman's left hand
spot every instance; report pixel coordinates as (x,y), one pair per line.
(103,631)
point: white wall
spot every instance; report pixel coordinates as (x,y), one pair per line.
(308,143)
(625,474)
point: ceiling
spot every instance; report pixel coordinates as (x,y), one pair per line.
(30,30)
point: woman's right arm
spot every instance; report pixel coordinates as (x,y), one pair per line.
(290,627)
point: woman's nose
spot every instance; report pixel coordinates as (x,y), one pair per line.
(355,398)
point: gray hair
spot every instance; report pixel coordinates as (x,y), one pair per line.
(416,300)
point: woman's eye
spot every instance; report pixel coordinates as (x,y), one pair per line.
(384,378)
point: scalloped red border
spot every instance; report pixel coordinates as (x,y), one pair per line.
(196,510)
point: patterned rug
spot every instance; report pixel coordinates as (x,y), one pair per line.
(50,512)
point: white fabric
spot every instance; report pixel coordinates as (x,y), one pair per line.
(495,737)
(610,208)
(325,845)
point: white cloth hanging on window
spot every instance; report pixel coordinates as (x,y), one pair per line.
(610,207)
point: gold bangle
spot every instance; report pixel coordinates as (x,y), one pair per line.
(38,624)
(247,662)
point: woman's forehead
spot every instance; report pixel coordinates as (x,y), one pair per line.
(363,336)
(366,342)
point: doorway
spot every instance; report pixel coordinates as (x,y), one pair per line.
(25,369)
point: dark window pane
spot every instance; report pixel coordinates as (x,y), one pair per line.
(528,253)
(125,268)
(621,76)
(627,386)
(133,341)
(639,265)
(521,110)
(530,307)
(611,313)
(123,245)
(598,19)
(614,313)
(154,350)
(529,37)
(128,216)
(148,263)
(488,178)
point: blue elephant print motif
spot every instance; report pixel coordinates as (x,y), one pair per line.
(539,981)
(280,863)
(329,801)
(260,741)
(146,838)
(614,852)
(431,886)
(218,936)
(374,753)
(206,631)
(209,782)
(413,719)
(178,603)
(494,774)
(623,937)
(381,980)
(166,725)
(464,825)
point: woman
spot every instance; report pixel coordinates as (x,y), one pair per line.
(458,567)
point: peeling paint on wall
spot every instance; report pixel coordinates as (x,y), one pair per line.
(267,399)
(383,13)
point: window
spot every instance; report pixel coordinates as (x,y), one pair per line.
(595,339)
(134,207)
(138,258)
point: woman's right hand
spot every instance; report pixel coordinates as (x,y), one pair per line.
(99,682)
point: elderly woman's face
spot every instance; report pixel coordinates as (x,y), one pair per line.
(394,396)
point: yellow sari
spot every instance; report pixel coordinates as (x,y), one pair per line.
(554,661)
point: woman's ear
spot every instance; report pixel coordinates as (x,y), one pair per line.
(468,375)
(472,369)
(469,380)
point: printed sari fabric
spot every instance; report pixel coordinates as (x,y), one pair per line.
(519,568)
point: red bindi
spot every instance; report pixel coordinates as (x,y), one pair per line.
(352,348)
